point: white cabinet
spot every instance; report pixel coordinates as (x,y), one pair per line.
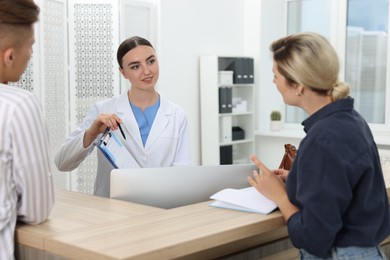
(227,109)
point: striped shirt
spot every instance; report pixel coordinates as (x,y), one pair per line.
(26,186)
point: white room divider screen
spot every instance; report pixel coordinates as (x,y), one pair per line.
(46,75)
(74,65)
(93,74)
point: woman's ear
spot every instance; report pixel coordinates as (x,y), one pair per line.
(300,89)
(122,72)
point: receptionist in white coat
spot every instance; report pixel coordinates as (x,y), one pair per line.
(158,128)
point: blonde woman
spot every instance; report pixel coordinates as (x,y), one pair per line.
(334,199)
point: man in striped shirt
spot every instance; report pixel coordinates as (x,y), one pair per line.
(26,186)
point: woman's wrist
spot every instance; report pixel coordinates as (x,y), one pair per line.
(286,207)
(89,136)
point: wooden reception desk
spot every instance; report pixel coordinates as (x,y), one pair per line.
(89,227)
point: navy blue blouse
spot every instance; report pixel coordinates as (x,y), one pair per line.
(337,183)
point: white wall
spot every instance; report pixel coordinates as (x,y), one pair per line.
(273,26)
(270,146)
(189,29)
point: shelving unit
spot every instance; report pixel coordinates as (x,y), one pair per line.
(216,128)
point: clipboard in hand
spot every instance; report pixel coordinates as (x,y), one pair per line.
(115,152)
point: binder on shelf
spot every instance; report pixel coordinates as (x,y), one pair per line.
(222,100)
(249,70)
(226,154)
(225,100)
(237,67)
(226,129)
(243,69)
(229,100)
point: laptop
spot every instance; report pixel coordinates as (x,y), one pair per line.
(170,187)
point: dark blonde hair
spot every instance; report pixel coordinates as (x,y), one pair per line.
(308,59)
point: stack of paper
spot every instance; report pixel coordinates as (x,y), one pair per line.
(247,199)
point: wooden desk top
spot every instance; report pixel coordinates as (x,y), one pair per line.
(169,234)
(130,231)
(72,211)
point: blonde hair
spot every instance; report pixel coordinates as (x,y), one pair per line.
(309,60)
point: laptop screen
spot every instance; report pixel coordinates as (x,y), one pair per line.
(170,187)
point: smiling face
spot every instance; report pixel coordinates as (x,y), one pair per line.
(140,67)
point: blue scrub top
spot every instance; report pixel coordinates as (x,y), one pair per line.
(145,118)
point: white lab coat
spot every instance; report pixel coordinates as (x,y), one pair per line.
(167,144)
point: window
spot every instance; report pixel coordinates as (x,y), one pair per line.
(366,56)
(307,15)
(365,49)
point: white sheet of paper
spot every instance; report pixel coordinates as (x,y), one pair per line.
(247,199)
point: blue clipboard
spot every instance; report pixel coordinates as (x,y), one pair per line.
(115,152)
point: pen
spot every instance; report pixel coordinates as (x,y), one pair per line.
(120,128)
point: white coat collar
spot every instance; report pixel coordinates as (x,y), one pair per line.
(160,122)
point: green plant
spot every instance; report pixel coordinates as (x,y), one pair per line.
(276,116)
